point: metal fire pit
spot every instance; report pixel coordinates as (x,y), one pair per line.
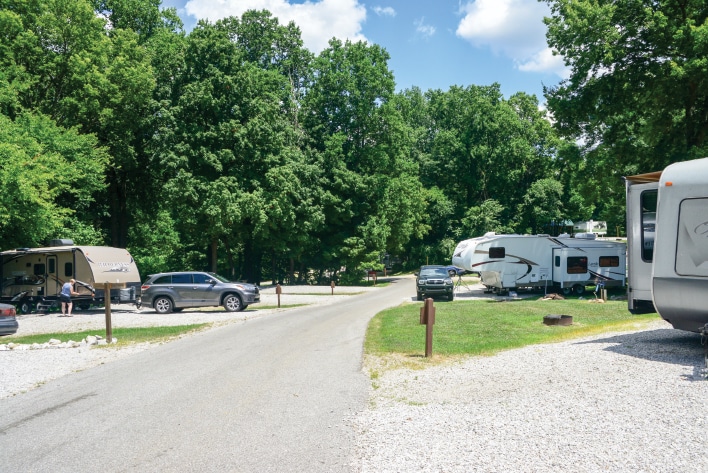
(558,320)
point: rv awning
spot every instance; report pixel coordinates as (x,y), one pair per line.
(643,178)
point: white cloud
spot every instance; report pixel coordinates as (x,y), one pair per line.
(319,20)
(545,61)
(423,29)
(513,28)
(384,11)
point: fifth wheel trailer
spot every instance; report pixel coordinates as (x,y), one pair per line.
(507,262)
(667,244)
(32,277)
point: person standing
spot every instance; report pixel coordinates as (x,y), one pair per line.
(67,290)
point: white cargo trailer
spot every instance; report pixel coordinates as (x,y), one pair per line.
(564,263)
(32,277)
(667,241)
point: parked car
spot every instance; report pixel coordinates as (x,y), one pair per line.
(172,292)
(8,319)
(434,281)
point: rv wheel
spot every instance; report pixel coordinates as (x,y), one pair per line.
(579,289)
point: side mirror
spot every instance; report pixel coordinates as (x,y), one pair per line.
(211,281)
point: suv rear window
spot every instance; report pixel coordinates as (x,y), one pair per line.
(163,280)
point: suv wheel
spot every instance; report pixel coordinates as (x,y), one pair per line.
(162,305)
(232,303)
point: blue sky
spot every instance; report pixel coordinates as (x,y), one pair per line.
(432,44)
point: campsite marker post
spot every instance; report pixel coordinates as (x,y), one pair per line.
(332,286)
(278,291)
(427,317)
(107,301)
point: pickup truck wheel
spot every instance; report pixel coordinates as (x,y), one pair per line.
(232,303)
(162,305)
(25,307)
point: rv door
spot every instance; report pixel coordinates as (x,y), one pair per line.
(641,229)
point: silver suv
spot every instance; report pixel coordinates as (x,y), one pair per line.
(172,292)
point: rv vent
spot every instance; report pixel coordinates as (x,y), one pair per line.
(61,242)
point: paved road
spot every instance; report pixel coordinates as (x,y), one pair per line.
(271,395)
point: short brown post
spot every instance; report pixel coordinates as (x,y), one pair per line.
(278,291)
(427,317)
(332,286)
(107,302)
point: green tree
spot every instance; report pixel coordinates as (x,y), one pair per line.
(484,218)
(639,79)
(542,205)
(49,178)
(234,174)
(371,193)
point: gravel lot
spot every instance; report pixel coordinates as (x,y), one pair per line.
(621,402)
(632,401)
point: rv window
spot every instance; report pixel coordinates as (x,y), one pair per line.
(52,266)
(497,252)
(181,279)
(577,264)
(39,269)
(648,224)
(609,261)
(692,238)
(68,269)
(558,261)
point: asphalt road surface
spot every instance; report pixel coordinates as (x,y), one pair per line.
(274,394)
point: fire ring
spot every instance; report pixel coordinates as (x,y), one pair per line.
(558,320)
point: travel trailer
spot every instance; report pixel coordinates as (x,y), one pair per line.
(32,277)
(591,226)
(507,262)
(667,244)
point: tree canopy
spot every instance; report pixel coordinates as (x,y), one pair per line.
(233,148)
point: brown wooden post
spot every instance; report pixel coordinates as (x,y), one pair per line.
(107,302)
(427,318)
(332,286)
(278,291)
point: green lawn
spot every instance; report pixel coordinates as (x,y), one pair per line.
(487,327)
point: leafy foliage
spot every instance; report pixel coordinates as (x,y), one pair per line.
(233,148)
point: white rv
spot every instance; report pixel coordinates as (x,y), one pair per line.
(32,277)
(563,263)
(667,243)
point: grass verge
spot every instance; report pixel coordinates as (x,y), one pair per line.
(125,335)
(488,327)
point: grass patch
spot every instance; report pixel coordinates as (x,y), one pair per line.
(125,335)
(488,327)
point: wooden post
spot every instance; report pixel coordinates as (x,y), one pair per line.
(278,291)
(107,302)
(332,286)
(427,317)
